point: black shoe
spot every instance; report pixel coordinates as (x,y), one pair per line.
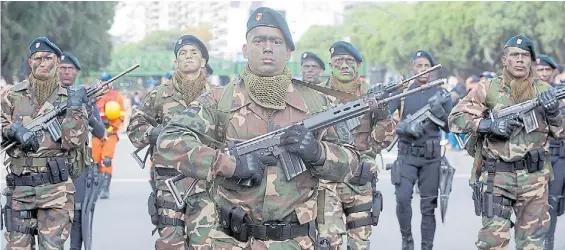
(427,245)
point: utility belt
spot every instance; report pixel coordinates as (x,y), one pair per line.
(160,221)
(57,167)
(235,224)
(374,208)
(429,150)
(557,149)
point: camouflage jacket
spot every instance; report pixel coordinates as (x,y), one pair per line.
(370,136)
(163,109)
(19,105)
(186,143)
(470,110)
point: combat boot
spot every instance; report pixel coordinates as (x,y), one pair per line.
(105,192)
(548,243)
(407,240)
(427,245)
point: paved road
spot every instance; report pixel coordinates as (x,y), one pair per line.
(122,223)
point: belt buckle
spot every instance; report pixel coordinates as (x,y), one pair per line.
(274,231)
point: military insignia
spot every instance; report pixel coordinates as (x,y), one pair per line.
(37,45)
(519,41)
(419,54)
(305,55)
(332,51)
(180,41)
(258,16)
(62,58)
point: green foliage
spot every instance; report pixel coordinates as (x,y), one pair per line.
(164,40)
(77,27)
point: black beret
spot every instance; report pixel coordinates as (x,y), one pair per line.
(345,48)
(424,54)
(264,16)
(70,59)
(190,39)
(209,69)
(309,56)
(42,44)
(546,61)
(522,42)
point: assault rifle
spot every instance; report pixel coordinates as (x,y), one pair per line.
(293,165)
(48,121)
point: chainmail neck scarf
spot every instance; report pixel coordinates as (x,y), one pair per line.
(43,88)
(269,91)
(350,87)
(521,89)
(189,88)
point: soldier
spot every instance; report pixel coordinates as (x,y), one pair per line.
(511,167)
(545,66)
(312,68)
(419,155)
(163,103)
(81,158)
(271,212)
(353,198)
(39,192)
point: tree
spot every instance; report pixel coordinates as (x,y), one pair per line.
(160,40)
(78,27)
(318,39)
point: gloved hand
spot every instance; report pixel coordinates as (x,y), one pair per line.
(26,139)
(155,134)
(436,105)
(405,128)
(77,98)
(300,141)
(501,128)
(251,167)
(379,93)
(549,102)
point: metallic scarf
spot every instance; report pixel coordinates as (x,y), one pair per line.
(521,90)
(350,87)
(269,91)
(43,88)
(189,88)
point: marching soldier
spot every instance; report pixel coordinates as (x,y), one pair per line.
(39,193)
(419,155)
(163,103)
(312,68)
(512,167)
(82,171)
(269,211)
(353,198)
(545,66)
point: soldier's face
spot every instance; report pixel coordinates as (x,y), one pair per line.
(311,72)
(344,68)
(420,65)
(517,61)
(43,65)
(543,72)
(190,59)
(67,74)
(266,51)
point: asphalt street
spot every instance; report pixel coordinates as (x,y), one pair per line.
(122,222)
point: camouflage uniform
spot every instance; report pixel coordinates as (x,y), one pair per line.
(199,211)
(40,207)
(521,191)
(369,137)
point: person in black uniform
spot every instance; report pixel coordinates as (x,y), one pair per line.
(419,154)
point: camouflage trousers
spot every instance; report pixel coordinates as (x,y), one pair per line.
(54,204)
(333,200)
(222,241)
(529,190)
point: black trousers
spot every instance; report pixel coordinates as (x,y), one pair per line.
(556,190)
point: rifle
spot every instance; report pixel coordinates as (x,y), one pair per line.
(423,115)
(149,151)
(524,111)
(48,121)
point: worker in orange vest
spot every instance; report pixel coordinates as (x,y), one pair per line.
(111,107)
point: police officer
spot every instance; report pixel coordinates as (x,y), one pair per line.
(38,166)
(312,68)
(81,159)
(419,155)
(512,173)
(162,103)
(545,66)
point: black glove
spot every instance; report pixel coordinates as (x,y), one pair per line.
(405,128)
(549,102)
(252,166)
(501,128)
(77,98)
(436,105)
(379,92)
(300,141)
(26,139)
(155,134)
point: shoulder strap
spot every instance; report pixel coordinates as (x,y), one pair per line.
(224,107)
(402,103)
(492,91)
(313,101)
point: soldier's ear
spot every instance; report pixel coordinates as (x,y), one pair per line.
(288,54)
(176,64)
(504,60)
(244,51)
